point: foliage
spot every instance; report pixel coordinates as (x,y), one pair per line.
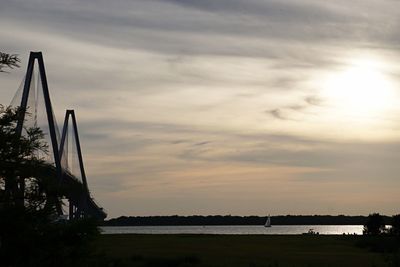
(375,225)
(19,160)
(34,239)
(395,230)
(8,61)
(30,232)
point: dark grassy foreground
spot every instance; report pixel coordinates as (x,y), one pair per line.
(249,251)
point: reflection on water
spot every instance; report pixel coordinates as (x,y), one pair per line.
(236,229)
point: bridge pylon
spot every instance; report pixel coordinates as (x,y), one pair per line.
(77,206)
(77,191)
(37,56)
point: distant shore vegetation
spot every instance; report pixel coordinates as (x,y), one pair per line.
(243,220)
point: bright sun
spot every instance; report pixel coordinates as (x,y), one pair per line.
(360,91)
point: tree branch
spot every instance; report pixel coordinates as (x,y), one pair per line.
(8,61)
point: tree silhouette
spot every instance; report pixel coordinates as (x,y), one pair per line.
(8,61)
(396,225)
(30,232)
(375,225)
(18,159)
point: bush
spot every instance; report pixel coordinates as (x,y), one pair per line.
(375,225)
(395,230)
(30,234)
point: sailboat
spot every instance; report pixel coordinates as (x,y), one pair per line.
(268,222)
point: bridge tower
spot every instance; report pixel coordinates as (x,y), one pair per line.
(76,208)
(49,110)
(80,202)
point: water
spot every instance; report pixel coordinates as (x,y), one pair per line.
(235,229)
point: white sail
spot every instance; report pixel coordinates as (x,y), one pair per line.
(268,222)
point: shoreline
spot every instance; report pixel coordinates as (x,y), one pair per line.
(237,229)
(214,220)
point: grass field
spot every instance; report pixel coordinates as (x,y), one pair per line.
(239,250)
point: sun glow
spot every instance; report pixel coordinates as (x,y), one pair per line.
(361,91)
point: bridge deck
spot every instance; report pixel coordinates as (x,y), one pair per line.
(75,191)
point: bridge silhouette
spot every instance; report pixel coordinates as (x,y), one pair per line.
(64,147)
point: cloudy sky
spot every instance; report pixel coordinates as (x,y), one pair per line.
(223,106)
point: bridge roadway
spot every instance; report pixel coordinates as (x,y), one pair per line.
(74,191)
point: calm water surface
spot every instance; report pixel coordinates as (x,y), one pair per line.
(235,229)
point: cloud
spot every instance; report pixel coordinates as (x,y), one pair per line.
(212,98)
(277,113)
(313,100)
(202,143)
(284,11)
(265,21)
(289,112)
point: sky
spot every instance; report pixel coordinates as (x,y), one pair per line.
(242,107)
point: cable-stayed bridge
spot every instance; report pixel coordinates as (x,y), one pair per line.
(64,161)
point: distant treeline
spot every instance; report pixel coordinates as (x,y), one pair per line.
(239,220)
